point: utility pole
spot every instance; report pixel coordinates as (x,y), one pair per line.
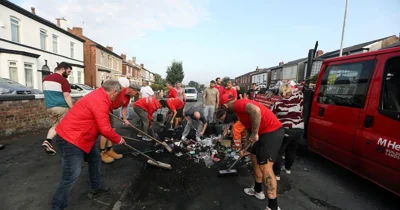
(344,26)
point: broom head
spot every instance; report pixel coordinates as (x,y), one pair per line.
(231,172)
(167,147)
(159,164)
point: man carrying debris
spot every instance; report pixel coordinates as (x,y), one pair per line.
(108,155)
(195,119)
(76,139)
(175,106)
(57,99)
(210,101)
(266,136)
(144,108)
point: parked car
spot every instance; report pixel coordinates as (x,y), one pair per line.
(191,94)
(81,88)
(9,87)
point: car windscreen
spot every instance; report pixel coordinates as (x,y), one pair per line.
(190,90)
(86,87)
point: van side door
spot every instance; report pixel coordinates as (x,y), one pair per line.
(341,94)
(378,144)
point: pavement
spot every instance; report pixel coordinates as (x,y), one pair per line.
(29,177)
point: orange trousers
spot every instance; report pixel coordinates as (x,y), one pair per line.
(238,132)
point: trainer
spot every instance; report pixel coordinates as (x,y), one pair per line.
(267,135)
(76,138)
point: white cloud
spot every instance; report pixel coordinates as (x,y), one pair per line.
(104,20)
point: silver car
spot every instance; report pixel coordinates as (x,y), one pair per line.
(191,94)
(10,87)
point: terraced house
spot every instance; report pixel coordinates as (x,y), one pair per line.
(31,46)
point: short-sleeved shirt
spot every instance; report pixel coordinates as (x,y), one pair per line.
(190,113)
(146,91)
(174,104)
(211,96)
(268,123)
(231,91)
(124,82)
(173,93)
(181,92)
(221,90)
(122,100)
(54,85)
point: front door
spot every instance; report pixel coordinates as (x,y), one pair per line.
(378,143)
(337,106)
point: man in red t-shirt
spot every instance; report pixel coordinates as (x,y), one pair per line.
(266,135)
(122,100)
(230,90)
(219,87)
(172,92)
(144,108)
(175,105)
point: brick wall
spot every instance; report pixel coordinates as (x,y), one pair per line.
(20,117)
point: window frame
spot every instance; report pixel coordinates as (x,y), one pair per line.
(390,114)
(55,49)
(18,24)
(43,31)
(25,72)
(72,49)
(368,83)
(11,66)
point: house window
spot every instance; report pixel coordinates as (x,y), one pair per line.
(28,75)
(263,78)
(55,44)
(80,77)
(43,39)
(109,61)
(71,77)
(15,29)
(101,58)
(390,94)
(72,48)
(12,66)
(346,84)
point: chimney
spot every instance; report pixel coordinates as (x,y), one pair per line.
(142,65)
(319,53)
(123,56)
(110,48)
(281,63)
(62,23)
(134,60)
(76,31)
(33,10)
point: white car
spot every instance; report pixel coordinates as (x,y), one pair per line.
(191,94)
(81,88)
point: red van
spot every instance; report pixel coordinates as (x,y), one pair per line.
(355,115)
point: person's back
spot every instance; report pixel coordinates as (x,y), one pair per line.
(124,82)
(146,91)
(54,85)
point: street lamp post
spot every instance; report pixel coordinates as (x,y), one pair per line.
(344,26)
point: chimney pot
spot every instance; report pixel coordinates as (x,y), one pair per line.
(62,23)
(33,10)
(123,56)
(134,60)
(281,63)
(142,65)
(76,31)
(109,48)
(319,53)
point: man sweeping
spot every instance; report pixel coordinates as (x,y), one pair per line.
(108,155)
(175,106)
(144,108)
(76,139)
(266,135)
(195,119)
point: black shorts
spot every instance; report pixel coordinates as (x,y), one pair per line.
(267,147)
(179,113)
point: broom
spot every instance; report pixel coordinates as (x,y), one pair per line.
(162,143)
(231,171)
(150,160)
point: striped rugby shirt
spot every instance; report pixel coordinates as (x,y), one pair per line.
(290,110)
(54,85)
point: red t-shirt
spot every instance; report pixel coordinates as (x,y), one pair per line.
(268,123)
(173,93)
(231,91)
(122,99)
(148,104)
(174,104)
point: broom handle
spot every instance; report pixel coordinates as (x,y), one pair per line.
(136,150)
(247,147)
(125,137)
(137,129)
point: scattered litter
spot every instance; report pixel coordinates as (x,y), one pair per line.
(306,169)
(178,154)
(160,150)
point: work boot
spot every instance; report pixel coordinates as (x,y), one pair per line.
(98,191)
(114,155)
(105,158)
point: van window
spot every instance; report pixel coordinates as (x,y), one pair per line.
(390,93)
(346,84)
(190,90)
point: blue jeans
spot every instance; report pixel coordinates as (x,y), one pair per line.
(71,160)
(127,111)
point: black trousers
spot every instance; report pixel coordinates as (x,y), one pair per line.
(289,148)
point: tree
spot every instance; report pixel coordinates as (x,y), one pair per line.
(193,84)
(225,80)
(201,87)
(158,79)
(175,72)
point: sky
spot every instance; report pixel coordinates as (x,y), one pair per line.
(218,38)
